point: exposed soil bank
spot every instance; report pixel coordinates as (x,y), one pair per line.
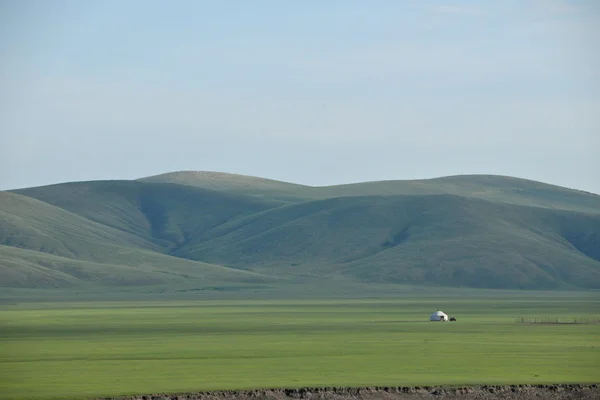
(505,392)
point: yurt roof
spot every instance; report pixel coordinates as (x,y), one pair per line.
(439,313)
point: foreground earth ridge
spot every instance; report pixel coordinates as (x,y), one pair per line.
(484,392)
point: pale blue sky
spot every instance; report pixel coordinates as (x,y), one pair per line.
(314,92)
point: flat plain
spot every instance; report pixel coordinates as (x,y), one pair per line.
(93,349)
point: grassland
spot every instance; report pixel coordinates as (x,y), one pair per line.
(74,350)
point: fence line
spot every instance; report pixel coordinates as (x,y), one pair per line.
(557,320)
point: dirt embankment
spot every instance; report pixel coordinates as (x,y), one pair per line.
(513,392)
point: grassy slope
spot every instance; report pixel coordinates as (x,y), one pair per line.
(413,239)
(45,246)
(127,268)
(35,225)
(489,187)
(235,183)
(165,214)
(93,349)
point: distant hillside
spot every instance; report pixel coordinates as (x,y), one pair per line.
(198,230)
(435,239)
(32,224)
(165,214)
(45,246)
(233,183)
(21,268)
(488,187)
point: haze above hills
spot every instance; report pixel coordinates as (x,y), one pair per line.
(196,230)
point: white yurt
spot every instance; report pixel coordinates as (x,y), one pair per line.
(438,316)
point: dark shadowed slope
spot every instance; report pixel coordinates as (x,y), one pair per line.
(165,214)
(441,239)
(488,187)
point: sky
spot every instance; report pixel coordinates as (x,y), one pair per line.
(317,92)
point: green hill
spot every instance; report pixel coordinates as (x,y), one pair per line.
(20,268)
(32,224)
(236,231)
(235,183)
(165,214)
(42,245)
(435,239)
(488,187)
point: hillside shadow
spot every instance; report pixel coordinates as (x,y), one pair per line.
(399,238)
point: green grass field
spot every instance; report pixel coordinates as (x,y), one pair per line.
(75,350)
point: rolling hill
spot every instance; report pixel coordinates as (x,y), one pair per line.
(201,229)
(438,239)
(164,214)
(488,187)
(42,245)
(235,183)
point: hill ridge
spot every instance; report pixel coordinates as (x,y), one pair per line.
(217,174)
(498,188)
